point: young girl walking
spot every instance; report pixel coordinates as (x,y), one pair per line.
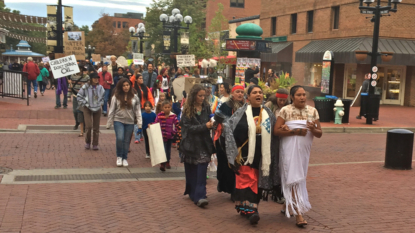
(161,100)
(168,123)
(124,110)
(148,118)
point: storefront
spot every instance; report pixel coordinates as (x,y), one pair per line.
(280,58)
(395,84)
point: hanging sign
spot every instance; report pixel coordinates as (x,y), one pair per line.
(374,76)
(64,66)
(375,69)
(185,60)
(138,58)
(327,73)
(166,41)
(374,83)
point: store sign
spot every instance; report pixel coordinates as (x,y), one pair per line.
(64,66)
(138,58)
(327,73)
(166,41)
(185,60)
(240,45)
(327,56)
(277,39)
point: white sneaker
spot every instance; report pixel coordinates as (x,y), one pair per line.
(147,156)
(124,163)
(28,96)
(119,161)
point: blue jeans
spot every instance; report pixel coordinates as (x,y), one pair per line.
(122,134)
(167,148)
(58,100)
(137,136)
(42,87)
(29,86)
(106,97)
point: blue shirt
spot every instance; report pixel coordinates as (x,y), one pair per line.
(148,118)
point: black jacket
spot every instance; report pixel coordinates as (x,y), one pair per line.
(249,73)
(365,86)
(195,135)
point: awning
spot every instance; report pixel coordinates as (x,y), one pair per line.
(281,52)
(344,50)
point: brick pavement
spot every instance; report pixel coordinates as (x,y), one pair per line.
(345,198)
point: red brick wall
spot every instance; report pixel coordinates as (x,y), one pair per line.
(252,7)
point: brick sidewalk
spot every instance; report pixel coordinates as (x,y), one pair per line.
(345,198)
(41,112)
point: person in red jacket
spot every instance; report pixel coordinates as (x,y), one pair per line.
(32,72)
(105,80)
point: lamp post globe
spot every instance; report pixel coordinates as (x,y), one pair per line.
(164,18)
(179,17)
(140,25)
(188,19)
(175,11)
(131,29)
(172,19)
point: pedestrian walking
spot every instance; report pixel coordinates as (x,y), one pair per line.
(76,82)
(296,126)
(91,98)
(124,114)
(156,91)
(143,92)
(196,145)
(251,71)
(159,108)
(251,154)
(105,80)
(32,71)
(149,76)
(148,118)
(164,79)
(224,91)
(364,92)
(62,87)
(168,124)
(276,102)
(52,80)
(42,78)
(16,66)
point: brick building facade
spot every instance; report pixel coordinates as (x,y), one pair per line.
(123,22)
(232,9)
(308,21)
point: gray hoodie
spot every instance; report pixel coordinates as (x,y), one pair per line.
(91,97)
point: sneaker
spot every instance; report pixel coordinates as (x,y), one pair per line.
(147,156)
(75,127)
(56,107)
(174,145)
(162,167)
(141,139)
(41,93)
(254,218)
(136,141)
(105,114)
(119,161)
(358,117)
(95,147)
(87,146)
(35,95)
(124,163)
(168,165)
(28,96)
(202,203)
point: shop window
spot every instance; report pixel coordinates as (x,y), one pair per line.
(124,24)
(293,23)
(119,24)
(350,80)
(336,17)
(238,3)
(313,73)
(310,21)
(273,26)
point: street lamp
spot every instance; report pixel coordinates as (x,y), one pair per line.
(377,12)
(174,22)
(141,30)
(90,50)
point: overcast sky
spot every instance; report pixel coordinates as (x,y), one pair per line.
(85,11)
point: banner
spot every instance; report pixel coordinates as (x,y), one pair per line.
(185,60)
(138,58)
(74,43)
(64,66)
(51,27)
(166,41)
(68,16)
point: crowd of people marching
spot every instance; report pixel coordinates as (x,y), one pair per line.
(262,146)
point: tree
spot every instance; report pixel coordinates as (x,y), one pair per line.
(216,35)
(85,29)
(105,39)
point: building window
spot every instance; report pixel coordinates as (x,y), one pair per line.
(273,26)
(293,23)
(114,24)
(124,24)
(336,16)
(119,24)
(238,3)
(310,21)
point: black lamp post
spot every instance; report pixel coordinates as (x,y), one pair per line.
(59,29)
(174,22)
(89,50)
(377,11)
(141,30)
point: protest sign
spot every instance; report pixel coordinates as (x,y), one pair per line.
(64,66)
(74,43)
(181,84)
(45,59)
(96,57)
(122,61)
(185,60)
(138,58)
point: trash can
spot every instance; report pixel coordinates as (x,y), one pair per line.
(324,108)
(374,102)
(399,149)
(333,100)
(346,106)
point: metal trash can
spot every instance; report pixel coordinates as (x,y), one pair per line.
(399,149)
(324,108)
(347,104)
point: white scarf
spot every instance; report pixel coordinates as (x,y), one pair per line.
(265,136)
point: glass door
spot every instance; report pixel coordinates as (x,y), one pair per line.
(392,86)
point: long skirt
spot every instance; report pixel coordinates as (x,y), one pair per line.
(196,181)
(225,175)
(246,185)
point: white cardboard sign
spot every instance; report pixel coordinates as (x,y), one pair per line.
(45,59)
(138,58)
(64,66)
(185,60)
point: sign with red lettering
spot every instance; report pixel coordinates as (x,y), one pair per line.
(240,45)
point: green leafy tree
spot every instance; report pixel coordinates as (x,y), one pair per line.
(85,29)
(216,35)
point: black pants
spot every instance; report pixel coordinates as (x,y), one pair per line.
(146,141)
